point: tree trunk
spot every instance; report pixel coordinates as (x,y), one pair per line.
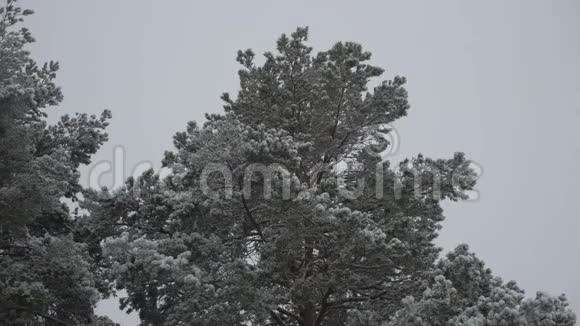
(309,315)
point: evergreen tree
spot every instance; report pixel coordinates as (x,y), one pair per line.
(280,211)
(46,277)
(463,292)
(259,223)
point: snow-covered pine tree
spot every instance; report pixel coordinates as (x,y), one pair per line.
(257,224)
(46,277)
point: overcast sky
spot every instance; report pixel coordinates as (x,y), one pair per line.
(499,80)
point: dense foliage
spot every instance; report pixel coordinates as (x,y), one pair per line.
(46,277)
(259,222)
(280,211)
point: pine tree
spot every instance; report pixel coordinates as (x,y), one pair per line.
(259,223)
(462,292)
(46,277)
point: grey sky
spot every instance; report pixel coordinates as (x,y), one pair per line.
(498,80)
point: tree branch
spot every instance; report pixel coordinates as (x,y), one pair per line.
(252,220)
(40,314)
